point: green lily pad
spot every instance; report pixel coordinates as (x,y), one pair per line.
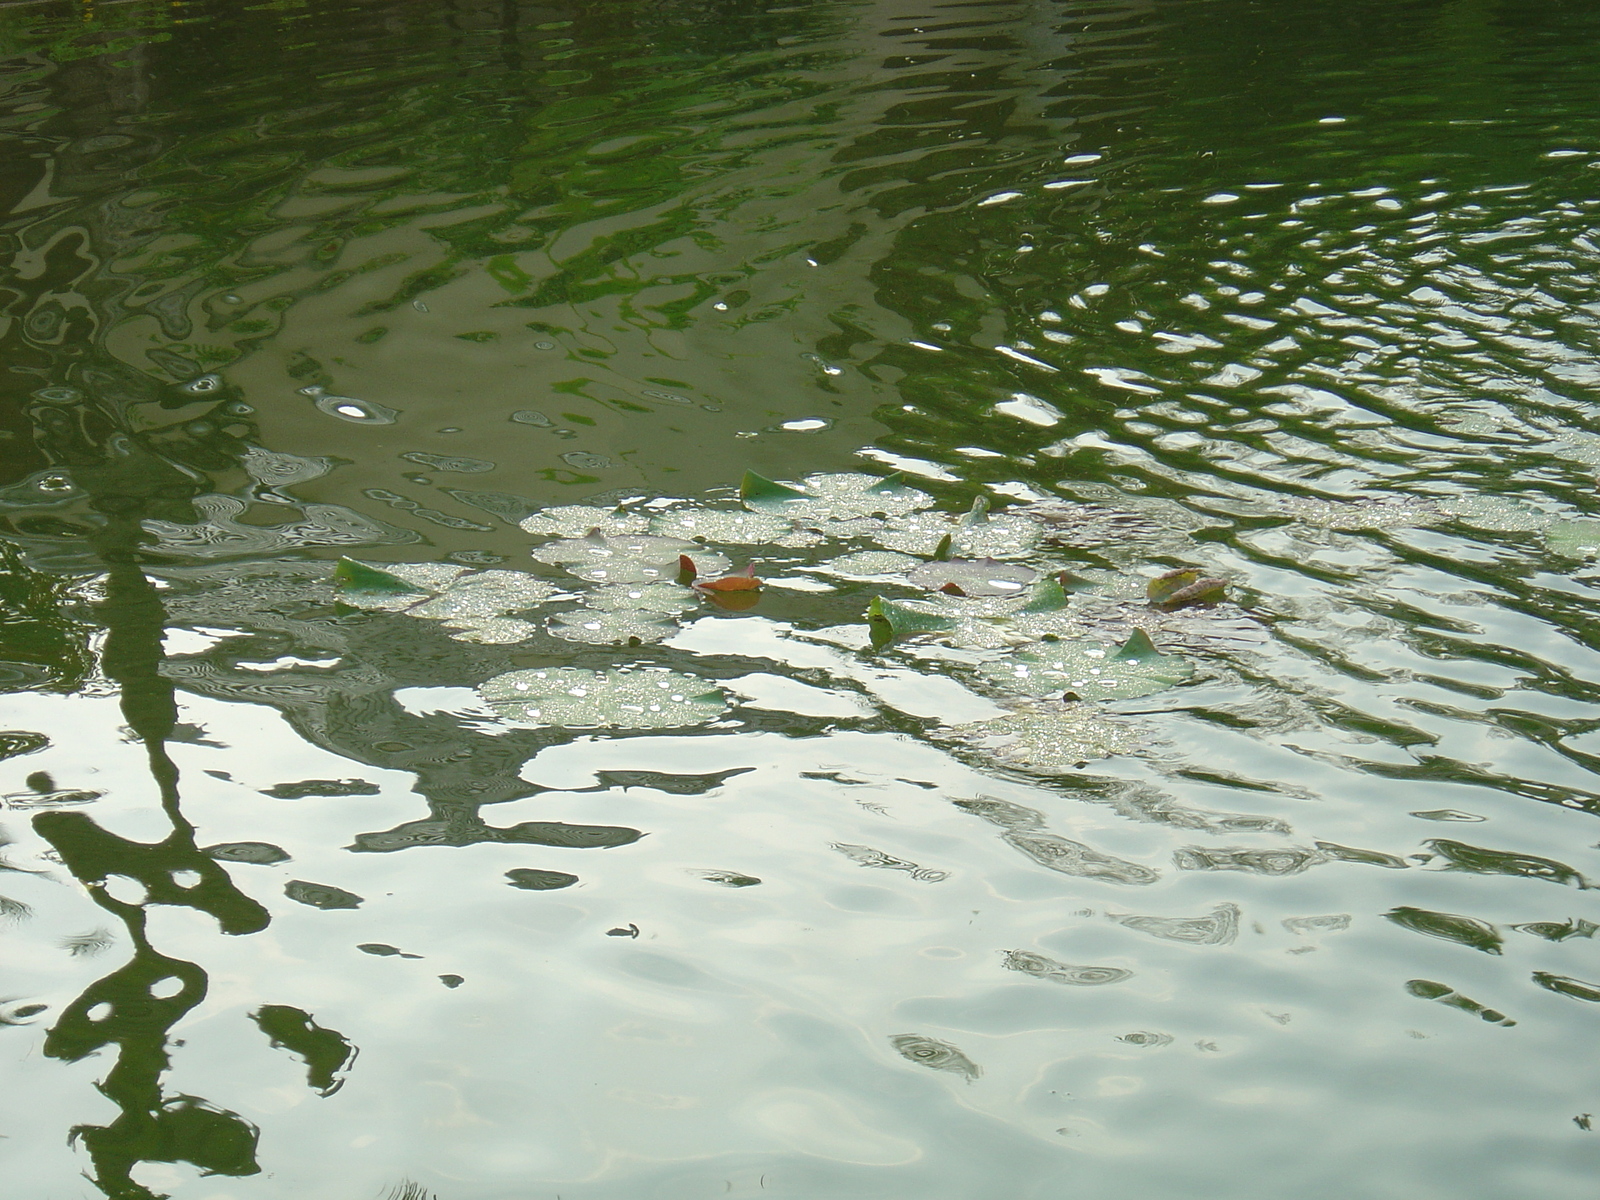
(890,619)
(870,564)
(572,697)
(666,598)
(1090,671)
(1575,538)
(355,579)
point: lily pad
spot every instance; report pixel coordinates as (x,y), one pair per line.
(729,526)
(475,605)
(626,558)
(869,564)
(602,628)
(1050,738)
(665,598)
(572,697)
(1181,588)
(1090,671)
(578,520)
(833,497)
(974,577)
(890,619)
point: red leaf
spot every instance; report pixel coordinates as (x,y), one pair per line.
(740,581)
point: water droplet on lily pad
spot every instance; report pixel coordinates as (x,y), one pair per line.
(1090,671)
(833,497)
(628,558)
(868,564)
(645,698)
(732,526)
(643,597)
(577,520)
(603,628)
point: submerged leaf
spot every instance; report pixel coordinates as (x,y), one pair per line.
(1181,588)
(352,576)
(1452,927)
(574,697)
(1567,986)
(931,1052)
(1041,967)
(1462,857)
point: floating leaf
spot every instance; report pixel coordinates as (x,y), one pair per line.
(533,880)
(869,564)
(577,520)
(1559,931)
(355,577)
(1089,671)
(729,526)
(1041,967)
(728,878)
(760,492)
(866,856)
(937,1055)
(890,619)
(1427,989)
(1218,929)
(1568,986)
(1283,860)
(260,853)
(1308,926)
(1372,858)
(1501,514)
(741,581)
(832,497)
(1181,588)
(1575,538)
(1462,857)
(1452,927)
(474,604)
(573,697)
(1050,738)
(1074,858)
(665,598)
(611,628)
(625,558)
(320,895)
(974,577)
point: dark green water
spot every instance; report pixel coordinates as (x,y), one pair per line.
(1302,295)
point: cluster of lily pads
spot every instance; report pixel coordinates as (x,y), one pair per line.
(997,592)
(1024,603)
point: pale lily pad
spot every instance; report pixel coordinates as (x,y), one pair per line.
(974,577)
(1090,671)
(1574,538)
(647,698)
(577,520)
(476,606)
(1050,738)
(732,526)
(832,497)
(602,628)
(666,598)
(628,558)
(1500,514)
(870,564)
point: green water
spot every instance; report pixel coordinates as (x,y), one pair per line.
(1304,296)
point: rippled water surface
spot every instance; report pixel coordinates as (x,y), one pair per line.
(499,864)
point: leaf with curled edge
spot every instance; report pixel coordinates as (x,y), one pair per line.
(1183,587)
(352,577)
(832,497)
(888,619)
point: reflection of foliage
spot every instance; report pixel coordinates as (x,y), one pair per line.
(43,649)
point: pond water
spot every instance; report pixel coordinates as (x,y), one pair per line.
(503,862)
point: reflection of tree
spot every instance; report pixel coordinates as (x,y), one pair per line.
(136,1006)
